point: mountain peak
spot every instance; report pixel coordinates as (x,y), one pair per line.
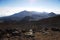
(52,14)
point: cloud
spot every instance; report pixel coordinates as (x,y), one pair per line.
(6,11)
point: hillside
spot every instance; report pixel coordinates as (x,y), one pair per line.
(42,29)
(48,22)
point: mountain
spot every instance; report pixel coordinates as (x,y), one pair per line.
(24,15)
(20,15)
(44,20)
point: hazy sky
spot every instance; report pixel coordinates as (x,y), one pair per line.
(9,7)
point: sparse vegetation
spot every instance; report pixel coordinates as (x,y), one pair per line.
(47,29)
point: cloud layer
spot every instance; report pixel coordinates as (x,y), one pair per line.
(6,11)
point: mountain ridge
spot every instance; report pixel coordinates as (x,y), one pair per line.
(35,16)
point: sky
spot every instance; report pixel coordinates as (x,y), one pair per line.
(9,7)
